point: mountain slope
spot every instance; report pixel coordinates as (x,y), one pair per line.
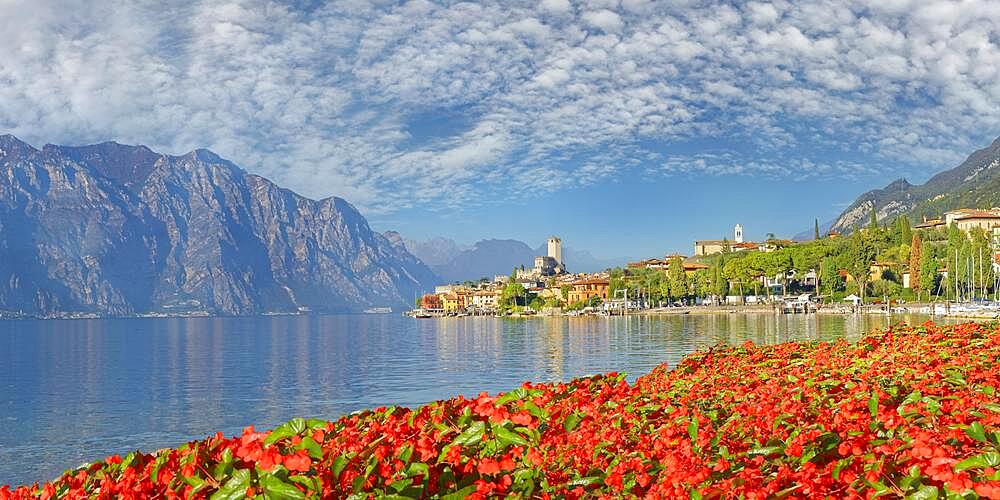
(111,229)
(975,183)
(486,259)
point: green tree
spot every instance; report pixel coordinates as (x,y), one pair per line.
(740,272)
(873,222)
(905,233)
(720,285)
(915,259)
(862,255)
(816,229)
(677,278)
(928,272)
(616,281)
(536,303)
(830,279)
(702,282)
(513,295)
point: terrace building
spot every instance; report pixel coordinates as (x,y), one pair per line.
(586,289)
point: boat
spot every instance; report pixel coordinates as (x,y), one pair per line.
(378,310)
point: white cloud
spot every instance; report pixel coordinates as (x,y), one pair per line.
(392,105)
(604,19)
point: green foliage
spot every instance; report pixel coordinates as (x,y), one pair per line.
(616,281)
(905,234)
(513,295)
(536,303)
(916,282)
(677,278)
(864,248)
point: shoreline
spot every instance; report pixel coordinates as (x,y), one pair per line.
(529,441)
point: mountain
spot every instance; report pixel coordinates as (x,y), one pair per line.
(436,251)
(975,183)
(110,229)
(486,259)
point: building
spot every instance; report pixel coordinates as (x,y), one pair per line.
(711,247)
(453,302)
(978,219)
(555,250)
(442,289)
(664,264)
(486,300)
(929,223)
(584,290)
(431,302)
(545,265)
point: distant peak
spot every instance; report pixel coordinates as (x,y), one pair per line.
(10,143)
(900,183)
(205,155)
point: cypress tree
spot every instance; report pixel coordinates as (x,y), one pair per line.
(905,234)
(816,229)
(915,278)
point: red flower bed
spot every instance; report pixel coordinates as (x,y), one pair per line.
(905,411)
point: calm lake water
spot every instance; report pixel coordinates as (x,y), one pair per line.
(76,391)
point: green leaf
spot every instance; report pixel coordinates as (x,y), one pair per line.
(926,492)
(471,435)
(276,489)
(315,423)
(235,488)
(460,494)
(765,450)
(405,455)
(288,429)
(508,437)
(310,445)
(311,483)
(418,469)
(572,420)
(844,462)
(976,431)
(988,459)
(534,410)
(873,405)
(584,481)
(515,395)
(338,465)
(692,429)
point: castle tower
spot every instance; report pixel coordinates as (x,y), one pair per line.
(738,234)
(555,249)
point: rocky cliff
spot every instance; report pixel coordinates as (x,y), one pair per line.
(975,183)
(111,229)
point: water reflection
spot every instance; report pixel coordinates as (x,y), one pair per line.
(72,391)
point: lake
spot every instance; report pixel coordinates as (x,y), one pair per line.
(79,390)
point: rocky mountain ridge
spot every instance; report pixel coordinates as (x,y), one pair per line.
(117,230)
(975,183)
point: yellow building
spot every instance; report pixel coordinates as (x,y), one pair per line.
(586,289)
(453,302)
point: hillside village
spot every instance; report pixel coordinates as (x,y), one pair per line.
(951,257)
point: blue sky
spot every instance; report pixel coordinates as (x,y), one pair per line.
(628,127)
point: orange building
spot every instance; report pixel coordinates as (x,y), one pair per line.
(431,302)
(586,289)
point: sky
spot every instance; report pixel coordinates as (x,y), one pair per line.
(627,127)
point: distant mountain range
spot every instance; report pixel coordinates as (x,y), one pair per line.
(487,258)
(110,229)
(975,183)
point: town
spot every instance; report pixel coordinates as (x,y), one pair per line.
(940,265)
